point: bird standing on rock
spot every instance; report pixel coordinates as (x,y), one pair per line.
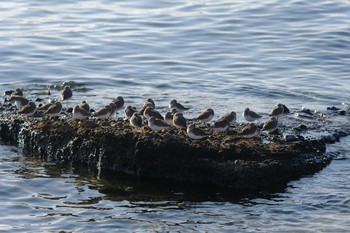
(80,113)
(20,101)
(195,133)
(54,110)
(230,117)
(28,109)
(205,116)
(277,111)
(270,125)
(177,106)
(157,124)
(250,115)
(66,94)
(179,121)
(249,131)
(136,120)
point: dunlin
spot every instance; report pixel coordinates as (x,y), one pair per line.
(84,105)
(151,112)
(28,109)
(195,133)
(179,121)
(157,124)
(20,101)
(129,111)
(250,115)
(136,120)
(113,109)
(270,125)
(119,102)
(66,94)
(230,117)
(277,111)
(103,113)
(18,91)
(80,113)
(168,117)
(146,104)
(177,106)
(221,125)
(45,107)
(249,131)
(205,116)
(54,110)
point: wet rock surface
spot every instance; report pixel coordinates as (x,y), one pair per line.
(223,159)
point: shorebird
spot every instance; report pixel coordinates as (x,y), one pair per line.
(250,115)
(195,133)
(45,107)
(66,94)
(157,124)
(151,112)
(146,104)
(119,102)
(136,120)
(113,109)
(168,117)
(230,117)
(277,111)
(270,125)
(205,116)
(179,121)
(177,106)
(20,101)
(18,91)
(221,125)
(80,113)
(129,111)
(84,106)
(54,110)
(249,131)
(103,113)
(28,109)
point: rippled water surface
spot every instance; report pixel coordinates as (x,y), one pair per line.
(221,54)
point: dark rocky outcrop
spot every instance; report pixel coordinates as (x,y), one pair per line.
(222,159)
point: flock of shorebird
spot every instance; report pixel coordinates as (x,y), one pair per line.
(148,113)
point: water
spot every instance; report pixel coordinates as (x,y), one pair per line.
(221,54)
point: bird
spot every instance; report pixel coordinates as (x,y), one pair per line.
(195,133)
(54,110)
(43,108)
(18,91)
(250,115)
(20,101)
(230,117)
(277,110)
(66,94)
(129,111)
(179,121)
(119,102)
(221,125)
(151,112)
(84,105)
(136,120)
(177,106)
(270,125)
(103,113)
(157,124)
(80,113)
(28,109)
(249,131)
(146,104)
(113,106)
(205,116)
(168,117)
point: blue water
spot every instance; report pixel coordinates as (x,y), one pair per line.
(221,54)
